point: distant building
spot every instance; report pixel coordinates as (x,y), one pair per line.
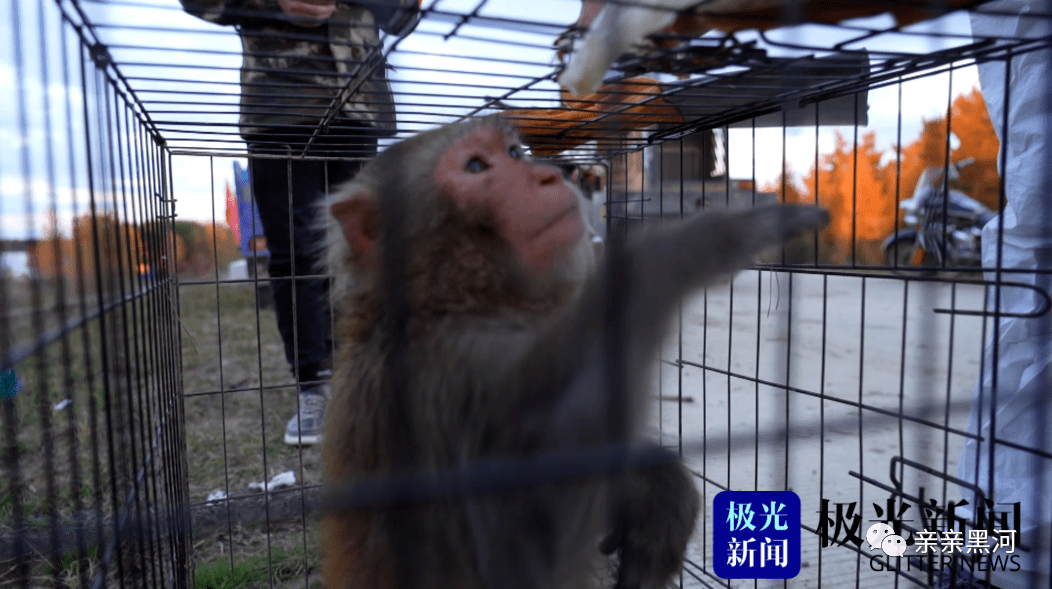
(701,158)
(18,257)
(671,181)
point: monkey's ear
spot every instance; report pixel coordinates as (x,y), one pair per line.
(359,219)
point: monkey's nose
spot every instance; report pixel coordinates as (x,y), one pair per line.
(548,175)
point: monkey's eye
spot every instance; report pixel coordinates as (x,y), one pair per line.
(515,152)
(475,165)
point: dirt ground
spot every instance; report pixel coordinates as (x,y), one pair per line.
(839,341)
(843,341)
(856,351)
(239,394)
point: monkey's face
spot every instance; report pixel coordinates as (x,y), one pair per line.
(530,204)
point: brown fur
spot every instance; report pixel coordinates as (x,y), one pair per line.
(461,268)
(501,364)
(456,267)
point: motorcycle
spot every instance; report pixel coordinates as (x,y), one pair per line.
(943,228)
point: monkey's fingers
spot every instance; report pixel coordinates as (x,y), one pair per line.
(754,231)
(784,222)
(670,263)
(713,244)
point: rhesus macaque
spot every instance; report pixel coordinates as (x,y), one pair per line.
(505,356)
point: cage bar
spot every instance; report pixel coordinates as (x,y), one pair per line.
(900,357)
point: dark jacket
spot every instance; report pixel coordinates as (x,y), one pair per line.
(291,75)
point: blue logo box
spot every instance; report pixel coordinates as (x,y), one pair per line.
(756,534)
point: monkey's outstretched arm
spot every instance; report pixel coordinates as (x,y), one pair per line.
(551,393)
(562,377)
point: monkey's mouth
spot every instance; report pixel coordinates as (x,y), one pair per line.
(556,220)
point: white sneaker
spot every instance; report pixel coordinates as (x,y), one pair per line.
(305,427)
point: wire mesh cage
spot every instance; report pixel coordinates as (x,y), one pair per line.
(94,449)
(161,179)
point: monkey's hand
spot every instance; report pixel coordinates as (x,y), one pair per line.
(652,523)
(567,369)
(665,265)
(562,385)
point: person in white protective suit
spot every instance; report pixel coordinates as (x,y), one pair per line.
(1016,377)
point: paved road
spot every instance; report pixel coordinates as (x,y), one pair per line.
(844,342)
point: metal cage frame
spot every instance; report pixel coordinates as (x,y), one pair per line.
(137,118)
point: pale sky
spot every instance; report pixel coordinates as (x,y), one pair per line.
(420,59)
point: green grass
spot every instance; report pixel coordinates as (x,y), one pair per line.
(225,350)
(225,436)
(30,507)
(219,336)
(221,576)
(72,369)
(67,565)
(285,566)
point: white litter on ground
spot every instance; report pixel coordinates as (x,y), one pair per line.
(285,479)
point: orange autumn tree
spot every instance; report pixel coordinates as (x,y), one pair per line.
(862,194)
(202,246)
(854,187)
(99,247)
(124,249)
